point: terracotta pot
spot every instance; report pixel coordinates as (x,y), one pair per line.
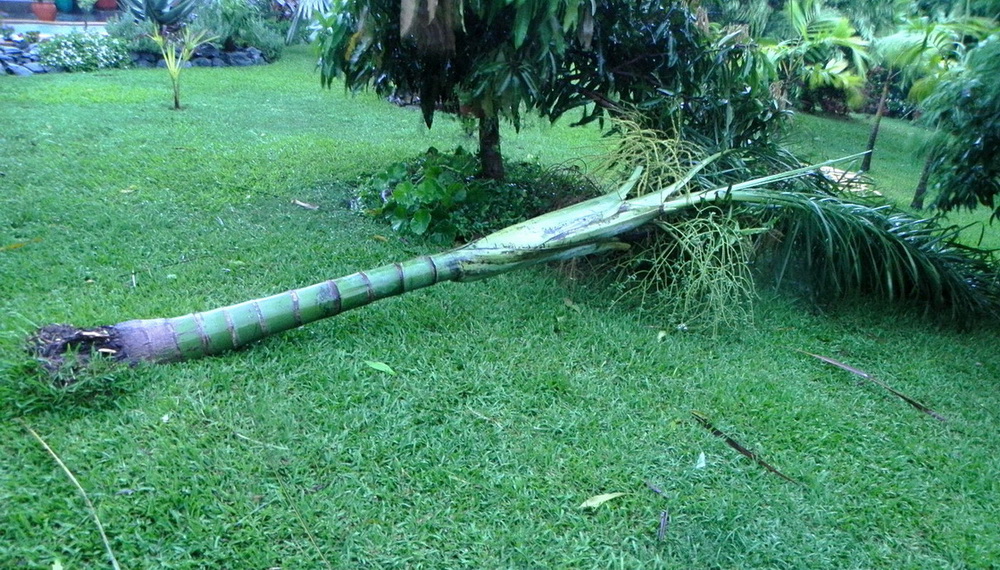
(45,12)
(106,5)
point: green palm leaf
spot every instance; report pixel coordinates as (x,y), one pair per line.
(855,248)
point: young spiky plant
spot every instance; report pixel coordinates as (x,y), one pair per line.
(176,53)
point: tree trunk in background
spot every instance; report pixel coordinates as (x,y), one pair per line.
(921,191)
(489,147)
(866,163)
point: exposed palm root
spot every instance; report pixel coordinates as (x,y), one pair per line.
(60,346)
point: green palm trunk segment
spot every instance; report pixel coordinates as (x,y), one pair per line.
(219,330)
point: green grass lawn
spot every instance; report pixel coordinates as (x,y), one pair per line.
(513,400)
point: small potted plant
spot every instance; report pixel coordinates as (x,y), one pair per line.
(65,6)
(87,7)
(44,10)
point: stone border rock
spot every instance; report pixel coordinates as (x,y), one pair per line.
(22,59)
(207,55)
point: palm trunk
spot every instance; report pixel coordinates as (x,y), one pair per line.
(227,328)
(489,147)
(866,163)
(581,229)
(921,189)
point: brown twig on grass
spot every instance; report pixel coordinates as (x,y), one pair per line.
(871,378)
(736,445)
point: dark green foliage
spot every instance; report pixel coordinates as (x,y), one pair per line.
(753,14)
(235,24)
(438,196)
(944,8)
(825,99)
(684,79)
(966,151)
(870,17)
(657,57)
(240,24)
(896,104)
(497,57)
(762,17)
(419,197)
(135,33)
(165,13)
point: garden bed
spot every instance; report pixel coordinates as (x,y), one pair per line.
(21,58)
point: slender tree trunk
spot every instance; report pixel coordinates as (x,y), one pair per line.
(866,163)
(921,190)
(489,147)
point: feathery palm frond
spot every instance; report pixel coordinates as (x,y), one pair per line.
(850,247)
(848,244)
(304,12)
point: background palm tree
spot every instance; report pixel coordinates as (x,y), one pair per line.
(820,56)
(919,53)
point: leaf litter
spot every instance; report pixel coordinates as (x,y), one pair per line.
(738,447)
(858,372)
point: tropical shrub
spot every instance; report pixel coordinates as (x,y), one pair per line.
(137,34)
(78,51)
(965,152)
(897,104)
(663,65)
(241,24)
(494,58)
(438,196)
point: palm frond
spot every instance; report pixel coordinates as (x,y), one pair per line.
(849,247)
(306,9)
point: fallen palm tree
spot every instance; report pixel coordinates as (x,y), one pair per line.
(852,246)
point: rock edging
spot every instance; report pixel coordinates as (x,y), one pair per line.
(22,58)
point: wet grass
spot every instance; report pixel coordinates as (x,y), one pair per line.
(509,406)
